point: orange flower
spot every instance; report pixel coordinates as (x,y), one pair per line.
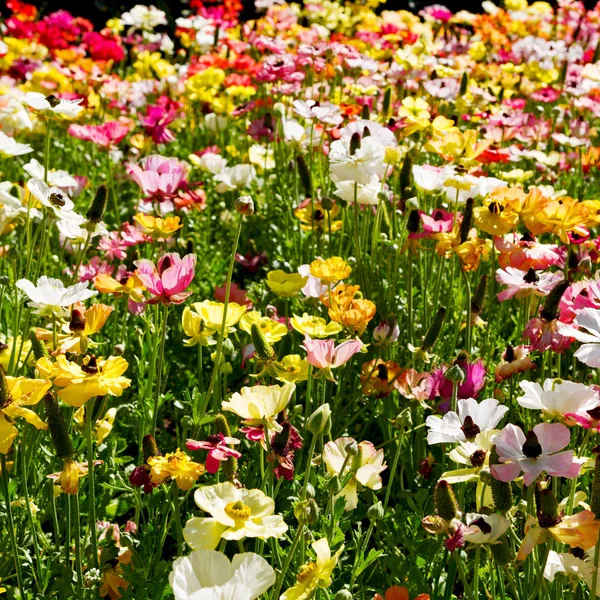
(379,377)
(353,313)
(130,286)
(399,593)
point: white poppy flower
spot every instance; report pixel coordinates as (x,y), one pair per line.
(485,529)
(209,575)
(473,418)
(53,106)
(10,147)
(235,515)
(364,193)
(59,178)
(558,397)
(50,296)
(379,132)
(144,17)
(51,198)
(209,162)
(588,319)
(235,178)
(575,568)
(361,164)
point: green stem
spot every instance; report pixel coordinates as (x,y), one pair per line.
(362,551)
(177,519)
(91,483)
(11,526)
(76,518)
(288,561)
(159,366)
(311,452)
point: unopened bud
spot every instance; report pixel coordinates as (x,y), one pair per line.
(304,175)
(479,296)
(502,552)
(467,221)
(375,512)
(96,211)
(387,102)
(548,509)
(445,500)
(550,310)
(244,205)
(434,330)
(334,485)
(501,490)
(37,347)
(58,428)
(150,447)
(4,280)
(263,350)
(229,466)
(464,83)
(343,595)
(5,396)
(319,423)
(455,374)
(352,448)
(327,203)
(307,511)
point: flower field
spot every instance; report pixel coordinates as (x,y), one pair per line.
(300,307)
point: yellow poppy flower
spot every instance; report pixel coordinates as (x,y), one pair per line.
(332,270)
(15,395)
(316,574)
(286,285)
(177,466)
(290,369)
(96,377)
(211,314)
(131,286)
(194,327)
(353,313)
(271,329)
(68,479)
(314,327)
(157,227)
(6,350)
(312,215)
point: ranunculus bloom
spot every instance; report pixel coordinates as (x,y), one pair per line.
(218,450)
(105,135)
(474,380)
(168,280)
(325,355)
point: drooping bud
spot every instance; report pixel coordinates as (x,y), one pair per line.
(550,310)
(319,423)
(37,348)
(150,447)
(229,466)
(355,143)
(98,206)
(5,396)
(501,490)
(304,174)
(434,330)
(58,428)
(375,512)
(352,448)
(548,509)
(467,221)
(307,511)
(244,205)
(343,595)
(445,500)
(455,374)
(264,351)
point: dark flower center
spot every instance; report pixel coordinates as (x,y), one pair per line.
(532,447)
(469,428)
(531,276)
(483,525)
(478,458)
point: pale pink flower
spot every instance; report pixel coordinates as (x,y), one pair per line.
(526,253)
(526,283)
(324,354)
(106,135)
(168,280)
(534,453)
(159,177)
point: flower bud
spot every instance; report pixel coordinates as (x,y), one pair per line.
(387,102)
(455,374)
(310,490)
(334,485)
(343,595)
(352,448)
(38,349)
(467,221)
(412,203)
(327,203)
(4,280)
(229,466)
(307,511)
(550,310)
(502,552)
(434,330)
(375,512)
(405,176)
(150,447)
(227,347)
(386,332)
(58,428)
(304,175)
(464,83)
(501,491)
(434,525)
(445,500)
(98,206)
(479,296)
(319,423)
(548,509)
(244,205)
(263,350)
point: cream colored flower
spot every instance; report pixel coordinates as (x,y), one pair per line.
(260,405)
(235,515)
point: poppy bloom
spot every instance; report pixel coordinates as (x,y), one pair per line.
(168,280)
(218,450)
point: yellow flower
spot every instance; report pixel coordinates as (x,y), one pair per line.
(211,314)
(312,215)
(494,218)
(316,574)
(271,329)
(291,369)
(7,349)
(105,426)
(131,286)
(236,513)
(15,394)
(314,327)
(96,377)
(157,227)
(151,65)
(194,327)
(562,216)
(260,405)
(353,313)
(68,478)
(177,466)
(286,285)
(332,270)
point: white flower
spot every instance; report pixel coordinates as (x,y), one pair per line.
(215,123)
(209,575)
(10,147)
(472,418)
(485,529)
(10,206)
(325,112)
(574,567)
(144,17)
(235,515)
(557,397)
(50,296)
(313,288)
(589,353)
(60,179)
(366,467)
(261,157)
(13,115)
(53,106)
(364,193)
(209,162)
(361,164)
(52,198)
(235,178)
(364,126)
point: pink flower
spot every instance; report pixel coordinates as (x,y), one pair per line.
(457,539)
(159,177)
(534,453)
(106,135)
(236,294)
(546,335)
(156,121)
(526,283)
(324,354)
(170,278)
(525,253)
(218,450)
(113,246)
(93,268)
(474,380)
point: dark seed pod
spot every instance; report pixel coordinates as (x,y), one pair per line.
(445,501)
(58,428)
(479,296)
(98,206)
(467,221)
(502,552)
(550,310)
(305,176)
(434,330)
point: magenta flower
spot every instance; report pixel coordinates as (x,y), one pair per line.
(440,221)
(474,380)
(534,453)
(218,450)
(168,280)
(324,354)
(156,121)
(106,135)
(526,283)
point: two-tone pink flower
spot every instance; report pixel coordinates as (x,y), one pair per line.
(218,449)
(169,279)
(325,355)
